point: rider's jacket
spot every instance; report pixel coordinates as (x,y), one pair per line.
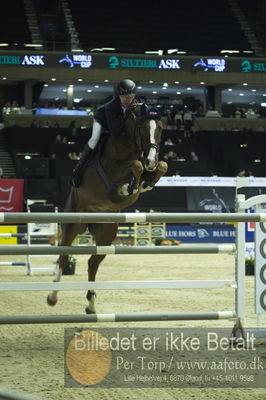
(111,116)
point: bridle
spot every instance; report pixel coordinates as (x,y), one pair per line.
(144,146)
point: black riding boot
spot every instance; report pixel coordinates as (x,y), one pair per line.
(75,178)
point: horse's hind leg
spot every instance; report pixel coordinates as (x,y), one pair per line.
(104,234)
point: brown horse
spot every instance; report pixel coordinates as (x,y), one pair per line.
(127,166)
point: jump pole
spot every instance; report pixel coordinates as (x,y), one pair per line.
(130,317)
(16,235)
(130,217)
(96,250)
(7,395)
(113,285)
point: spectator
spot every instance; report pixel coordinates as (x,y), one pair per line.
(242,173)
(169,142)
(55,124)
(177,173)
(170,156)
(1,173)
(194,156)
(188,122)
(178,120)
(239,113)
(58,139)
(34,124)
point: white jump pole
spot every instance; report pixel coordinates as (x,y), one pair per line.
(130,217)
(130,317)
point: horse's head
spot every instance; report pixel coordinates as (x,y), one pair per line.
(146,126)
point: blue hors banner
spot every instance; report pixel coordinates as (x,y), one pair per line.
(201,234)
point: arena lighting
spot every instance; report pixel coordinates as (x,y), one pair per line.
(263,104)
(103,49)
(4,44)
(254,90)
(176,82)
(172,51)
(181,52)
(77,50)
(245,84)
(80,80)
(32,45)
(159,52)
(229,51)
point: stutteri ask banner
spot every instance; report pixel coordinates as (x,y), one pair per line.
(11,195)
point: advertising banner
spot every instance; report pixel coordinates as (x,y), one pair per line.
(11,195)
(209,199)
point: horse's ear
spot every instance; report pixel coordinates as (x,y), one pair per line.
(143,110)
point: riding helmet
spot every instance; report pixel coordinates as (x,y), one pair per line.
(125,88)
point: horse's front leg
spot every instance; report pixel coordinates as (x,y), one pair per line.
(149,179)
(134,169)
(69,232)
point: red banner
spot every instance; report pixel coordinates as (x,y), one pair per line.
(11,195)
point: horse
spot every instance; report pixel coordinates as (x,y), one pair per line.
(125,167)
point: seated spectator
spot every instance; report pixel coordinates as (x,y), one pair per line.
(34,124)
(7,108)
(55,124)
(239,113)
(194,156)
(45,124)
(170,156)
(177,173)
(200,112)
(242,173)
(180,158)
(169,142)
(58,139)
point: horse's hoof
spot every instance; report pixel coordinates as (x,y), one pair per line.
(51,302)
(89,311)
(144,187)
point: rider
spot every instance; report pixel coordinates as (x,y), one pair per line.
(110,117)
